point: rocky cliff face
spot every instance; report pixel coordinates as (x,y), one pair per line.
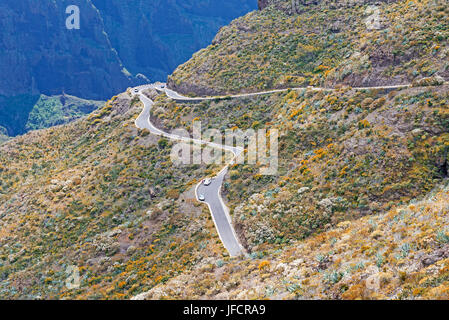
(40,55)
(154,37)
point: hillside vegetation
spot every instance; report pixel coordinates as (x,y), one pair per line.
(402,254)
(24,113)
(343,154)
(324,44)
(103,196)
(57,110)
(358,209)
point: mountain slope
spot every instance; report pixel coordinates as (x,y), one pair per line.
(103,196)
(30,112)
(57,110)
(357,210)
(359,207)
(343,154)
(402,254)
(324,44)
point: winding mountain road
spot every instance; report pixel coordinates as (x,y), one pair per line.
(180,98)
(212,192)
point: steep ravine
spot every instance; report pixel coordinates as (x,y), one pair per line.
(120,44)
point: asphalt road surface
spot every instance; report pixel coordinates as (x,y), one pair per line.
(212,192)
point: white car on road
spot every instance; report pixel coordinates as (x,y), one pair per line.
(201,197)
(207,182)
